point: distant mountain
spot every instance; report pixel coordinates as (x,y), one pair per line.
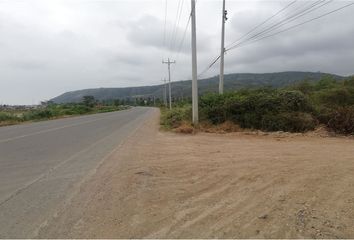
(183,88)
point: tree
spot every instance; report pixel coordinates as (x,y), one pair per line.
(89,101)
(326,82)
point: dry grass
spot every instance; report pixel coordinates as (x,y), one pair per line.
(226,127)
(185,128)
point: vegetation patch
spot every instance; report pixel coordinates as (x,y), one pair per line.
(342,120)
(51,110)
(264,109)
(172,119)
(298,108)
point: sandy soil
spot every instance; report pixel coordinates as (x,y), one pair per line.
(165,185)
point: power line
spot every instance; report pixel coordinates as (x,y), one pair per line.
(184,36)
(247,42)
(255,35)
(174,30)
(249,32)
(297,16)
(264,22)
(297,25)
(209,66)
(181,43)
(286,21)
(177,26)
(164,29)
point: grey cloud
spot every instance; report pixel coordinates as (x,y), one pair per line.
(125,59)
(49,47)
(146,31)
(316,46)
(28,64)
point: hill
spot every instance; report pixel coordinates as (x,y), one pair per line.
(182,89)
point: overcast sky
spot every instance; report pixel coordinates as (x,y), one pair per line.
(48,47)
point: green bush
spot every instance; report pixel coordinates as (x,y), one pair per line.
(349,82)
(327,82)
(89,101)
(249,120)
(323,114)
(294,101)
(55,110)
(289,122)
(298,108)
(305,87)
(257,103)
(342,120)
(175,117)
(256,109)
(8,117)
(37,115)
(67,112)
(213,107)
(81,109)
(334,97)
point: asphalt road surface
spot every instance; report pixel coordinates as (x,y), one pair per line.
(42,164)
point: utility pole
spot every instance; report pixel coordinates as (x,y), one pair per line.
(194,67)
(169,79)
(165,92)
(222,54)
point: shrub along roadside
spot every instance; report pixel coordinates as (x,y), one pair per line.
(171,119)
(54,111)
(9,119)
(265,109)
(289,121)
(342,120)
(298,108)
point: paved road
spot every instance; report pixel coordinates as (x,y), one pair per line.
(42,164)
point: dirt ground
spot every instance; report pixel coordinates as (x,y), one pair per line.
(166,185)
